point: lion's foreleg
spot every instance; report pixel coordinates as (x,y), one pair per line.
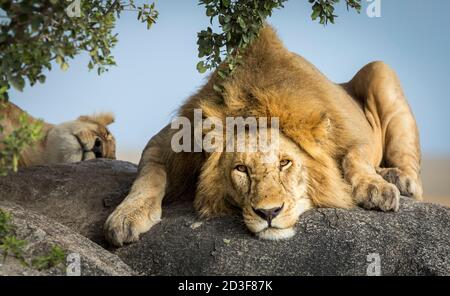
(370,190)
(141,209)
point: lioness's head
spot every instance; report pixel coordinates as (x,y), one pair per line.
(83,139)
(270,187)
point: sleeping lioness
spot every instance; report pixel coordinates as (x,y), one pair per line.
(82,139)
(339,146)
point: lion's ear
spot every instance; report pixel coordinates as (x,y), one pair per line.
(104,118)
(210,197)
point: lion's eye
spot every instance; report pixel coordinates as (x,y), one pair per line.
(241,168)
(285,163)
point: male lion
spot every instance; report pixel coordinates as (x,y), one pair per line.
(339,146)
(82,139)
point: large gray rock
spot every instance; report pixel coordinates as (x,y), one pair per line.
(415,241)
(42,233)
(79,196)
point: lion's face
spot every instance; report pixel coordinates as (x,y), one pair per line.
(83,139)
(270,187)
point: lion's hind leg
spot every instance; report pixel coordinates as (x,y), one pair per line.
(401,156)
(380,89)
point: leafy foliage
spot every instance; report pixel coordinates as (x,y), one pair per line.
(10,245)
(55,257)
(14,143)
(324,9)
(35,32)
(240,22)
(6,226)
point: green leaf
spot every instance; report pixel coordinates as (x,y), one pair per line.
(315,14)
(245,38)
(41,79)
(17,82)
(59,60)
(201,67)
(210,11)
(64,66)
(15,162)
(3,90)
(241,23)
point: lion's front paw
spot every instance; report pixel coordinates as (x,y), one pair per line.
(126,223)
(376,193)
(408,185)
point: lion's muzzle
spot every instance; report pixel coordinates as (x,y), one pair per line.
(268,214)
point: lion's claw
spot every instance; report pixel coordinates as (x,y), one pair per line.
(125,225)
(408,185)
(377,194)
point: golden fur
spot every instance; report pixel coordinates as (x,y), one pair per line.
(350,144)
(82,139)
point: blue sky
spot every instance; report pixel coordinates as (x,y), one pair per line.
(156,68)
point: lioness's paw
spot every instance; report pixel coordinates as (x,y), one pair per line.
(126,223)
(376,193)
(408,185)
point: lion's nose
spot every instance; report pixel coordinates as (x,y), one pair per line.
(268,214)
(97,149)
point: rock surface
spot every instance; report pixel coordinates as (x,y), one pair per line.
(42,233)
(415,241)
(79,196)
